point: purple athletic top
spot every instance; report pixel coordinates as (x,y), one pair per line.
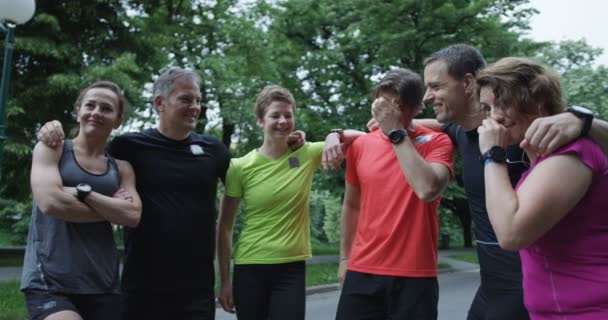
(566,270)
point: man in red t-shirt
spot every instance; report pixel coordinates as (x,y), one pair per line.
(389,220)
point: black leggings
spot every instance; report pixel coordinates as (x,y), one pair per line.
(500,295)
(270,291)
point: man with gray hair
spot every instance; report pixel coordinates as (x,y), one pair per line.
(168,266)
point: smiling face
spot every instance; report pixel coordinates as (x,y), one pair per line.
(182,107)
(278,121)
(516,122)
(445,94)
(99,112)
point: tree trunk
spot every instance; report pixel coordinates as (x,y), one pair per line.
(228,130)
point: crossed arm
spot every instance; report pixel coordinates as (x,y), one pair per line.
(54,199)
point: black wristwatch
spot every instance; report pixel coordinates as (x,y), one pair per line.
(83,190)
(495,154)
(585,114)
(396,136)
(340,133)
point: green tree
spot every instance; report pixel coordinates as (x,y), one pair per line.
(582,82)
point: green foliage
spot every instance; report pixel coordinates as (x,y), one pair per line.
(321,50)
(333,210)
(12,302)
(15,219)
(582,82)
(317,215)
(317,274)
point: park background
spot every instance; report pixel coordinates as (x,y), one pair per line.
(328,53)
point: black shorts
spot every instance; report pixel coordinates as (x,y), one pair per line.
(368,296)
(270,291)
(184,305)
(41,304)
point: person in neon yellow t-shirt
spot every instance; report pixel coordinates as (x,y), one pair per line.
(274,183)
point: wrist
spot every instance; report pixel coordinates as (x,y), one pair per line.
(585,115)
(339,133)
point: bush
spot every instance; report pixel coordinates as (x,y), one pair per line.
(333,211)
(15,218)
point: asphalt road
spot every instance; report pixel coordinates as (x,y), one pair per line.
(456,291)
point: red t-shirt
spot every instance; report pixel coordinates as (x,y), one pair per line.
(397,232)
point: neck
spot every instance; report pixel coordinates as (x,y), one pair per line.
(473,116)
(274,148)
(172,132)
(90,146)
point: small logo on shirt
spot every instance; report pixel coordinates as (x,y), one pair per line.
(423,139)
(294,162)
(48,305)
(196,149)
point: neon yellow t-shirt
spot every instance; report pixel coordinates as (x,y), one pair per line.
(276,193)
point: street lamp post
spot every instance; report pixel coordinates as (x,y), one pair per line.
(12,13)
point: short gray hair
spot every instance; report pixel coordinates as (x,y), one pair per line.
(164,84)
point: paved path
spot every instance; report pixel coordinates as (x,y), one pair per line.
(456,291)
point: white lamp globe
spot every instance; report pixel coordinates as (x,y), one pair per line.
(17,11)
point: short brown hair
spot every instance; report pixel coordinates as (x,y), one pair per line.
(523,84)
(405,83)
(269,94)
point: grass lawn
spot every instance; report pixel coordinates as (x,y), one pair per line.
(12,304)
(472,258)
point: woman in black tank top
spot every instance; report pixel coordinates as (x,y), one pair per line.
(71,262)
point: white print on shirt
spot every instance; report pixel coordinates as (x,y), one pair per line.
(196,149)
(424,139)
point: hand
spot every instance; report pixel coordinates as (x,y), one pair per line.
(70,190)
(546,134)
(332,152)
(296,140)
(491,134)
(51,134)
(387,114)
(372,125)
(123,194)
(226,297)
(342,271)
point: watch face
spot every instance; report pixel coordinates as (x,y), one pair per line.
(581,110)
(397,135)
(83,187)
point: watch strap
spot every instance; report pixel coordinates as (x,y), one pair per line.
(587,118)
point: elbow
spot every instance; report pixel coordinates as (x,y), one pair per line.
(50,206)
(428,196)
(133,219)
(430,193)
(511,243)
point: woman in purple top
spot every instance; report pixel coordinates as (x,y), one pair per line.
(557,216)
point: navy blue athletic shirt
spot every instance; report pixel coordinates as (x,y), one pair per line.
(173,247)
